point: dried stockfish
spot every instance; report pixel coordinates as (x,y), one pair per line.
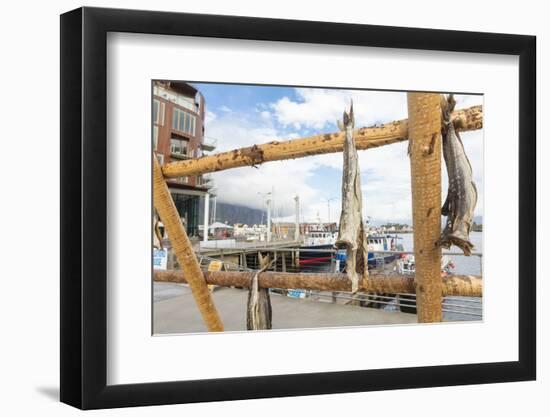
(352,235)
(462,194)
(157,235)
(258,313)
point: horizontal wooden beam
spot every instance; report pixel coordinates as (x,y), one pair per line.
(365,138)
(457,285)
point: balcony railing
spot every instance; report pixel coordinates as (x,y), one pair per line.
(205,181)
(179,155)
(209,144)
(179,99)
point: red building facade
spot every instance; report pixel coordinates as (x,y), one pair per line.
(178,134)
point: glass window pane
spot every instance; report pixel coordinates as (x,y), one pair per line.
(174,118)
(182,121)
(155,111)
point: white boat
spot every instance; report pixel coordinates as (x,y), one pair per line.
(406,265)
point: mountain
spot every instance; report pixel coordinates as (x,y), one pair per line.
(232,213)
(477,219)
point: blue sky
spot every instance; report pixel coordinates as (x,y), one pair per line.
(240,97)
(252,101)
(244,115)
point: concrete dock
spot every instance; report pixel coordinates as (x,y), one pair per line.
(174,311)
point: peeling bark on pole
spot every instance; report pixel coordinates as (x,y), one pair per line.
(425,154)
(365,138)
(182,248)
(453,285)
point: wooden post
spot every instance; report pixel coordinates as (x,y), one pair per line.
(425,154)
(183,250)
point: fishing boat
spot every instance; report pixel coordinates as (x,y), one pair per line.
(377,244)
(318,250)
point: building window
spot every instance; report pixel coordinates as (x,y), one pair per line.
(182,180)
(158,112)
(155,137)
(178,146)
(160,158)
(183,121)
(188,209)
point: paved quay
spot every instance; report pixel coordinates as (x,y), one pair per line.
(174,311)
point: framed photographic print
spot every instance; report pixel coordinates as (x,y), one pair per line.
(257,207)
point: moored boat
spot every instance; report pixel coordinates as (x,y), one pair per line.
(318,250)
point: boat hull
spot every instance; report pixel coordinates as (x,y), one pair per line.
(316,258)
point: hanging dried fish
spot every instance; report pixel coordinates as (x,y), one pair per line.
(462,193)
(258,312)
(352,235)
(157,235)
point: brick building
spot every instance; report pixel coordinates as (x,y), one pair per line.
(178,134)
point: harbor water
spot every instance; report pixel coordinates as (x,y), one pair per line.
(464,265)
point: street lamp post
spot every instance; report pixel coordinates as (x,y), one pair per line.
(268,203)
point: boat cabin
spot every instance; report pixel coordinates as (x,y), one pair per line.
(381,243)
(320,238)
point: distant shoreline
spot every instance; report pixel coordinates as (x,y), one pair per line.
(406,232)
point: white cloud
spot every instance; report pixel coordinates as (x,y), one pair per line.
(320,108)
(286,178)
(463,101)
(385,170)
(209,117)
(236,131)
(242,185)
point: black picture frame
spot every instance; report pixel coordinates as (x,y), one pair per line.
(84,207)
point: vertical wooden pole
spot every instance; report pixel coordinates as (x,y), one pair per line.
(425,154)
(184,252)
